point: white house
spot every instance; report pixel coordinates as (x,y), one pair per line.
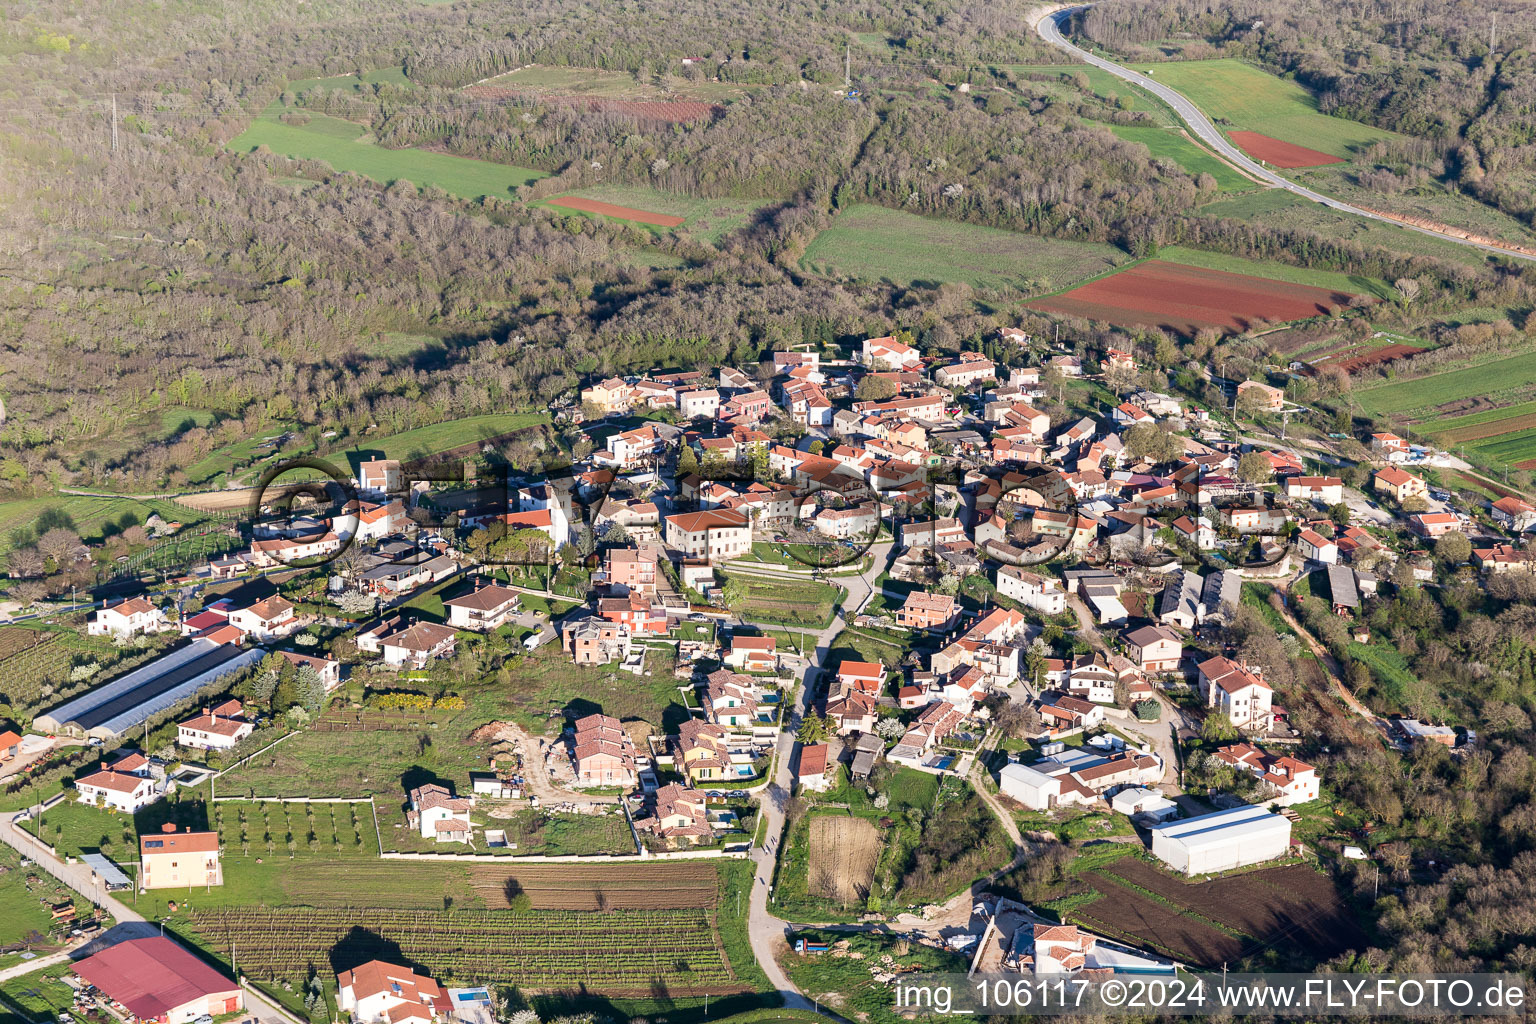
(483,609)
(125,618)
(890,354)
(711,535)
(1238,691)
(1314,547)
(266,619)
(379,478)
(217,728)
(1291,781)
(125,786)
(1041,593)
(440,815)
(381,993)
(418,644)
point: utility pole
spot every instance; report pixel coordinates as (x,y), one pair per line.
(848,66)
(114,122)
(1493,35)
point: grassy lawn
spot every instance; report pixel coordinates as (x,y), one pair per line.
(1508,449)
(341,144)
(1352,283)
(785,602)
(95,518)
(1170,144)
(1074,825)
(1103,84)
(1423,394)
(874,243)
(41,995)
(710,219)
(1477,419)
(1240,96)
(25,918)
(440,437)
(857,645)
(352,83)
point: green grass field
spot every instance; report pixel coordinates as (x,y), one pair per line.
(874,243)
(1506,448)
(439,437)
(341,144)
(1352,283)
(1476,419)
(1168,144)
(710,219)
(1240,96)
(1424,394)
(352,83)
(94,517)
(1103,84)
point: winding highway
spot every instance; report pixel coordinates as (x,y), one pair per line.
(1049,27)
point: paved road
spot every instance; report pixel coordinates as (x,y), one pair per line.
(1050,30)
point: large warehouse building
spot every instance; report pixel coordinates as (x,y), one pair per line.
(157,980)
(1222,841)
(110,710)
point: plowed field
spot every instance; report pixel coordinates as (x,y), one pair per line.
(1280,154)
(1369,357)
(597,886)
(1134,917)
(621,212)
(1185,299)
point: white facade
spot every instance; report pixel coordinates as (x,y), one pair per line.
(1034,790)
(1042,593)
(1222,841)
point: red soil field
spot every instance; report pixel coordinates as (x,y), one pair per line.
(1385,354)
(1280,154)
(1185,299)
(621,212)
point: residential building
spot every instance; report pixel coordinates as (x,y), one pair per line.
(973,368)
(1513,514)
(383,993)
(267,619)
(632,569)
(124,791)
(889,354)
(846,523)
(1237,690)
(923,610)
(438,814)
(811,767)
(169,859)
(218,727)
(157,979)
(862,676)
(635,612)
(125,618)
(1326,489)
(485,608)
(1314,547)
(10,745)
(1433,524)
(753,654)
(1154,649)
(730,699)
(1389,447)
(678,814)
(1222,841)
(1284,780)
(328,669)
(701,752)
(713,535)
(1399,484)
(1262,396)
(591,641)
(380,478)
(1502,558)
(418,644)
(1040,593)
(1060,713)
(602,752)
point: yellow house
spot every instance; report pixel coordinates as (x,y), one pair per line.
(1400,484)
(701,751)
(171,859)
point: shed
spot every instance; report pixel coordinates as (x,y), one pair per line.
(1222,841)
(110,874)
(1033,789)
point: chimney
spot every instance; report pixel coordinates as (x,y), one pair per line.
(187,829)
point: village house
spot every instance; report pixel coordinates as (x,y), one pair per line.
(1040,593)
(1328,490)
(1389,447)
(1433,525)
(889,354)
(700,751)
(1513,514)
(711,535)
(811,767)
(1399,484)
(753,654)
(602,753)
(730,699)
(972,368)
(631,569)
(632,447)
(923,610)
(608,396)
(381,993)
(218,727)
(264,620)
(126,786)
(1285,780)
(1238,691)
(169,859)
(853,712)
(438,814)
(1061,713)
(1154,649)
(846,523)
(635,612)
(125,618)
(678,814)
(328,669)
(485,608)
(1261,396)
(591,641)
(1314,547)
(380,478)
(417,644)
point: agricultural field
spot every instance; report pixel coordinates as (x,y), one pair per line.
(438,438)
(39,996)
(665,884)
(619,952)
(35,665)
(1271,912)
(529,832)
(709,219)
(844,851)
(1422,396)
(1184,299)
(874,243)
(1354,284)
(346,146)
(1173,144)
(1103,84)
(359,84)
(783,601)
(95,518)
(1239,96)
